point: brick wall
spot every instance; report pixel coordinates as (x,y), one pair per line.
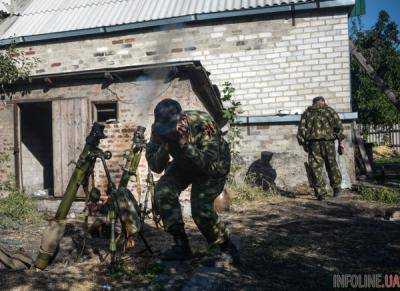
(136,108)
(6,143)
(272,64)
(288,159)
(136,102)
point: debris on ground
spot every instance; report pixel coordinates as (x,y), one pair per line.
(285,244)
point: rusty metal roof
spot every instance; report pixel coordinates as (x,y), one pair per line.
(54,16)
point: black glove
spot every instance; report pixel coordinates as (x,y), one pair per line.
(306,147)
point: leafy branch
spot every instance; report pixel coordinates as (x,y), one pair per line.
(231,111)
(15,65)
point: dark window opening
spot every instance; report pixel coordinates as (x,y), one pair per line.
(106,111)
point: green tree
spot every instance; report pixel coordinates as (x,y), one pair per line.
(14,65)
(380,45)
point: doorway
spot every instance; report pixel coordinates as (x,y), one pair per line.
(36,147)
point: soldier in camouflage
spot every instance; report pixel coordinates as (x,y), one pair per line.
(319,127)
(201,158)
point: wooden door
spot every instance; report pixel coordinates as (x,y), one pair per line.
(70,127)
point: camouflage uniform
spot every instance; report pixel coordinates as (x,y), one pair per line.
(203,162)
(319,127)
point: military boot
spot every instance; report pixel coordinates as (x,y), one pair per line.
(180,251)
(228,247)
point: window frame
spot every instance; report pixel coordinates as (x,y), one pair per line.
(99,102)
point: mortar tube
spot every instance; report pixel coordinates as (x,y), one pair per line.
(54,233)
(52,237)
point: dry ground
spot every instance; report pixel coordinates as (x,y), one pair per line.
(286,244)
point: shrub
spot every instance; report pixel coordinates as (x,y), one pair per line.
(379,194)
(246,191)
(16,208)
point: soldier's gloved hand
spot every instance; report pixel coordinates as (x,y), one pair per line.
(183,130)
(155,137)
(340,149)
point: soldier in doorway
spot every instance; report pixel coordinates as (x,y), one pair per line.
(201,158)
(319,127)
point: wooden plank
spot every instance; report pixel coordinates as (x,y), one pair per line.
(57,149)
(71,137)
(360,144)
(17,146)
(379,82)
(64,143)
(69,132)
(79,132)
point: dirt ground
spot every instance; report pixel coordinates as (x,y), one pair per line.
(285,244)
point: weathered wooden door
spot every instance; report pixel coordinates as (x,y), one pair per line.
(70,127)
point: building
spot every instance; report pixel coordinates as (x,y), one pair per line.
(278,54)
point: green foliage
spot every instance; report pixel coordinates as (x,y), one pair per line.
(387,160)
(15,65)
(246,191)
(381,47)
(123,270)
(231,111)
(17,208)
(153,270)
(380,194)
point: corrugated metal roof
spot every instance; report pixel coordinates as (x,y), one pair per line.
(52,16)
(3,6)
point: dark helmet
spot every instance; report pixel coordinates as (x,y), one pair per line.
(317,99)
(166,116)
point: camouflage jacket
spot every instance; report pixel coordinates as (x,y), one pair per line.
(319,123)
(206,152)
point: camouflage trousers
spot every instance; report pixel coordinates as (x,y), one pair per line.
(203,193)
(319,153)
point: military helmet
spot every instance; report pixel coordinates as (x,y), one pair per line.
(166,116)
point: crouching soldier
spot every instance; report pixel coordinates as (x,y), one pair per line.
(319,127)
(201,158)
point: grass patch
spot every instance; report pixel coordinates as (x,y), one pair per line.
(388,160)
(379,194)
(245,192)
(124,271)
(17,209)
(248,189)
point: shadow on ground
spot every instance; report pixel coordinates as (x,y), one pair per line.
(299,245)
(286,244)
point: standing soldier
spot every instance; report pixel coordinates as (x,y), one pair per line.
(319,127)
(201,157)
